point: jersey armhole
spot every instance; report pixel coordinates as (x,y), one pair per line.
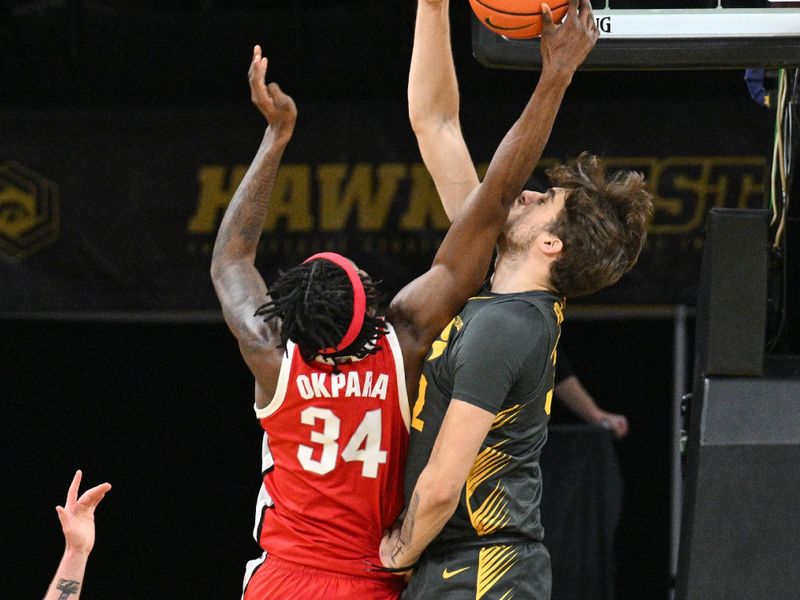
(402,393)
(283,383)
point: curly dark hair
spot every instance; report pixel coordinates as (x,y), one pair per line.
(314,302)
(602,227)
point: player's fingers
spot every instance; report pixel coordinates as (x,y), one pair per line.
(547,19)
(258,67)
(394,535)
(72,492)
(259,70)
(572,11)
(255,59)
(586,14)
(276,93)
(91,497)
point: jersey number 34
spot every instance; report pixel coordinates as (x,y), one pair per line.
(364,445)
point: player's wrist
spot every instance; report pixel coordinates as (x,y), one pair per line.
(556,77)
(598,417)
(77,551)
(402,565)
(279,135)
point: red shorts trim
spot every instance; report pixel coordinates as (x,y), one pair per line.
(283,580)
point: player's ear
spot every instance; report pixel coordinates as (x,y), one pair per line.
(549,244)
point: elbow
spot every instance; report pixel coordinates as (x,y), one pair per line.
(422,125)
(420,116)
(426,125)
(216,270)
(446,499)
(216,261)
(219,266)
(439,493)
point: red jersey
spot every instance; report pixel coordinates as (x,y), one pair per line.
(333,459)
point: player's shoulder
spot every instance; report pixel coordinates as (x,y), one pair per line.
(516,310)
(497,322)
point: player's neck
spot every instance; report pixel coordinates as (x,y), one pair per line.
(520,273)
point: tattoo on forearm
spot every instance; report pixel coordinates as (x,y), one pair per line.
(245,218)
(67,587)
(251,232)
(407,530)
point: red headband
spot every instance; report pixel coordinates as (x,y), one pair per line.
(359,299)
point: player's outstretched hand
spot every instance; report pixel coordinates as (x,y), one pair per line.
(565,46)
(77,515)
(278,108)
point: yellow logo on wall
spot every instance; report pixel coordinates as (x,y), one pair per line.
(29,217)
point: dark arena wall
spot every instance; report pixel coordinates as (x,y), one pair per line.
(163,411)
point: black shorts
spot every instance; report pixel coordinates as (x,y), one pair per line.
(491,572)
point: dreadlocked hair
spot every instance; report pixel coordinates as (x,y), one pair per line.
(314,302)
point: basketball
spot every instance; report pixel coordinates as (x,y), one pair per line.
(518,19)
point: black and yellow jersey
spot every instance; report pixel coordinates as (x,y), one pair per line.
(498,354)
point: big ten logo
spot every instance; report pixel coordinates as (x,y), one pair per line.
(29,217)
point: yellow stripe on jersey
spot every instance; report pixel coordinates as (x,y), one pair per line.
(508,415)
(492,514)
(558,308)
(416,422)
(441,343)
(493,563)
(488,462)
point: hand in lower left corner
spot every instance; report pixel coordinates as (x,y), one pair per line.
(77,515)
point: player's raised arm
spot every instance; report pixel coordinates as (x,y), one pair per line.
(77,524)
(239,286)
(433,107)
(424,307)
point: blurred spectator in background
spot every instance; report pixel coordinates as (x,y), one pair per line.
(570,391)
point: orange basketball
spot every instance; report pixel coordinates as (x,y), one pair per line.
(516,18)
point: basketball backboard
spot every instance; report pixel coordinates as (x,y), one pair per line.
(669,34)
